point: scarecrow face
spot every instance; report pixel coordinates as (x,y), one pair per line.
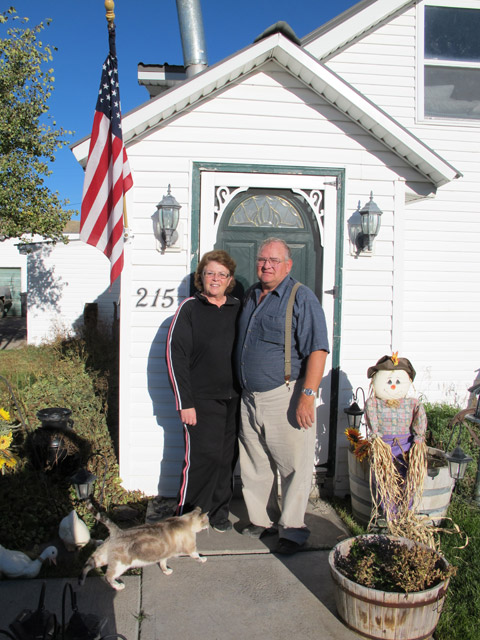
(391,385)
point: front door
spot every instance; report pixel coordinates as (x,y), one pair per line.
(238,211)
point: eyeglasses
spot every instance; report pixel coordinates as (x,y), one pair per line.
(212,274)
(273,261)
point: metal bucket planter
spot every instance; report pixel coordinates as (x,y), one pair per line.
(437,489)
(381,614)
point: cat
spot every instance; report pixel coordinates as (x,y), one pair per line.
(145,544)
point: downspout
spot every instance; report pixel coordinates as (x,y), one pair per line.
(193,37)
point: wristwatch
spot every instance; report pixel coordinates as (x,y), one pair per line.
(308,392)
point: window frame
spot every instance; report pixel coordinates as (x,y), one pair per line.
(422,62)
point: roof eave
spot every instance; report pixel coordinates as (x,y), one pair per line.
(313,74)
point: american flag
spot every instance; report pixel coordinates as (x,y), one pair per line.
(107,174)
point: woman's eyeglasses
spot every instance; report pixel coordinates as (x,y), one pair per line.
(213,274)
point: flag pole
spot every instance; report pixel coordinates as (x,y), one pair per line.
(110,16)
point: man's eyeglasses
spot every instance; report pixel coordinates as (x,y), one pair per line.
(273,261)
(212,274)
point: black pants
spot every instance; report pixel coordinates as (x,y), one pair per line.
(211,453)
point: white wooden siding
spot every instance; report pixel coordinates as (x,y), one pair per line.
(61,280)
(267,118)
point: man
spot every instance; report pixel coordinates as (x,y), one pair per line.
(278,418)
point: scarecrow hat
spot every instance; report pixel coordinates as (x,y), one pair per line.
(392,363)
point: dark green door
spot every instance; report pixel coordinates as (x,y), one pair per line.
(257,214)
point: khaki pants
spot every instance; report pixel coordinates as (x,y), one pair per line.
(271,440)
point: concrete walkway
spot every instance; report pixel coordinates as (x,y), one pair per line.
(243,591)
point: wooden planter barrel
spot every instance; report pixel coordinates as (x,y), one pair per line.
(437,490)
(381,614)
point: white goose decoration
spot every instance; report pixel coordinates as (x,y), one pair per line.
(73,532)
(15,564)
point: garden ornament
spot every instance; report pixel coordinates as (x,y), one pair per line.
(15,564)
(73,532)
(397,426)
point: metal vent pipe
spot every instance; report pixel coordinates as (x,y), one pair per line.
(193,37)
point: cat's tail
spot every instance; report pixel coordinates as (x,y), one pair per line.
(102,517)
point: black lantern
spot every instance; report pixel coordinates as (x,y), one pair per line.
(354,413)
(166,222)
(370,219)
(83,481)
(457,463)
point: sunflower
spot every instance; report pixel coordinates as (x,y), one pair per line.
(6,440)
(353,435)
(4,415)
(362,450)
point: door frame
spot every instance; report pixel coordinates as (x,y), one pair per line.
(332,269)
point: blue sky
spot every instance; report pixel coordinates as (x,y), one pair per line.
(146,32)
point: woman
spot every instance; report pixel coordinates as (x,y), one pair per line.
(199,360)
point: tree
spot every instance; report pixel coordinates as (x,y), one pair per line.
(29,137)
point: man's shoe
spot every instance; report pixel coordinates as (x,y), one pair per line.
(287,547)
(222,526)
(255,531)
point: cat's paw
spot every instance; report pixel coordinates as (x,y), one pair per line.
(167,571)
(201,559)
(117,585)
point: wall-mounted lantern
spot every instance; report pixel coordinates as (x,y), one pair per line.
(165,221)
(364,226)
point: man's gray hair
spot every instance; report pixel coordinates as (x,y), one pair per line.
(280,241)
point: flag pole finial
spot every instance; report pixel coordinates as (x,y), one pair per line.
(109,7)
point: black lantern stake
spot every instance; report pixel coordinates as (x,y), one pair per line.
(84,481)
(457,459)
(354,413)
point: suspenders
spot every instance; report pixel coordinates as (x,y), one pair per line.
(288,333)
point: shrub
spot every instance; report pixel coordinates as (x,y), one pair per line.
(80,374)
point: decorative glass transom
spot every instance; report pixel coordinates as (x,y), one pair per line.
(266,211)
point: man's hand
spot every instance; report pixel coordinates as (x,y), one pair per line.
(188,416)
(305,413)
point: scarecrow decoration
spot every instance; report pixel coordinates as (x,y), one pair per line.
(398,453)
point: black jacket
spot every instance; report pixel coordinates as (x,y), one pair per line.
(199,350)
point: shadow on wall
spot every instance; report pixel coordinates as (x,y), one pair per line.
(163,402)
(44,287)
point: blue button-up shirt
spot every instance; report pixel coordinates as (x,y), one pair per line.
(260,359)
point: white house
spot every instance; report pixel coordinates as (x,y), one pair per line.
(384,99)
(51,284)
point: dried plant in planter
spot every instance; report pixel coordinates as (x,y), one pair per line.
(389,564)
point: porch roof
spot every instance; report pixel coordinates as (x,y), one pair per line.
(301,64)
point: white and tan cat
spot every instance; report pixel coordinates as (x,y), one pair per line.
(146,544)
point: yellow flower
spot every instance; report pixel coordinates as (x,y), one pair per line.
(4,415)
(7,459)
(394,358)
(362,450)
(6,440)
(353,435)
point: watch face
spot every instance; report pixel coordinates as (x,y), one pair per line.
(308,392)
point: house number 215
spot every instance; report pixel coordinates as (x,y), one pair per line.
(166,300)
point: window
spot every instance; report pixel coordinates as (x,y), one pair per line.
(452,62)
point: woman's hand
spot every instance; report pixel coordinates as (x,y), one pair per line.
(188,416)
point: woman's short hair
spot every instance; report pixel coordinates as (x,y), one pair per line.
(223,258)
